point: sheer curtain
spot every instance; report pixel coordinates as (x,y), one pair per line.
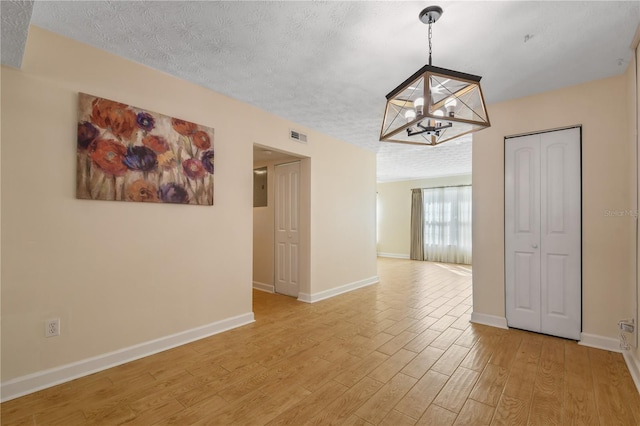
(417,226)
(447,224)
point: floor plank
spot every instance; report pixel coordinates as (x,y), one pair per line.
(490,385)
(455,392)
(474,413)
(415,402)
(437,416)
(380,404)
(511,411)
(422,362)
(450,360)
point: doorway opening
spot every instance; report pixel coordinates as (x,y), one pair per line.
(281,222)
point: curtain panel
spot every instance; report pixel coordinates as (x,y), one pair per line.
(416,251)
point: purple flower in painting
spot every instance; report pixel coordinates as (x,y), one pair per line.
(87,133)
(173,193)
(193,168)
(140,158)
(207,161)
(145,121)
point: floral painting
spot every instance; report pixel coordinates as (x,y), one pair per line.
(129,154)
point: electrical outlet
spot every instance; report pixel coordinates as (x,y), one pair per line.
(52,327)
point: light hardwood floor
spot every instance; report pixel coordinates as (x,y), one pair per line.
(401,352)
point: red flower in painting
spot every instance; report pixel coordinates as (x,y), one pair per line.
(101,109)
(108,154)
(185,128)
(141,190)
(193,168)
(113,116)
(201,140)
(157,143)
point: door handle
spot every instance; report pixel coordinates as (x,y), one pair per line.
(534,245)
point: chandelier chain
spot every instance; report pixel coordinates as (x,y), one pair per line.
(429,42)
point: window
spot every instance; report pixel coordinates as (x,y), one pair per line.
(447,224)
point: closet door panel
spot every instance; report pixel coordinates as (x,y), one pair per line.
(522,232)
(560,233)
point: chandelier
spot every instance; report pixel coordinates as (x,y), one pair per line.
(434,105)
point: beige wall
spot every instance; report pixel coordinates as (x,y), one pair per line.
(263,234)
(343,211)
(119,274)
(608,262)
(635,136)
(394,212)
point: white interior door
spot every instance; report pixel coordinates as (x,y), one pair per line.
(543,233)
(522,232)
(560,233)
(287,235)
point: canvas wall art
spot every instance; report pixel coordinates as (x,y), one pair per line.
(130,154)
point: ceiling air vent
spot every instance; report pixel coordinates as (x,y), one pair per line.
(297,136)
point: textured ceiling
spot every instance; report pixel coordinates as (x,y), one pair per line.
(14,29)
(329,65)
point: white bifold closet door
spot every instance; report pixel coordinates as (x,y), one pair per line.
(543,258)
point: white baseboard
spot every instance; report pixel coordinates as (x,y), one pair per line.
(490,320)
(633,364)
(44,379)
(316,297)
(600,342)
(394,255)
(264,287)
